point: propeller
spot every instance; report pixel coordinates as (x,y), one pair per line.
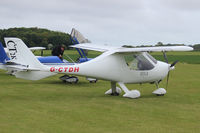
(165,57)
(172,65)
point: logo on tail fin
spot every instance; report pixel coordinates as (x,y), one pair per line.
(12,49)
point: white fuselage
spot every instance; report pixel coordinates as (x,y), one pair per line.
(114,68)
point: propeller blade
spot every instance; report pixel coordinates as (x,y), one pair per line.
(165,57)
(174,63)
(167,79)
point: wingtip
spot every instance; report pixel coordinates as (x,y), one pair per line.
(190,48)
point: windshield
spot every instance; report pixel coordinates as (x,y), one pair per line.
(152,58)
(139,62)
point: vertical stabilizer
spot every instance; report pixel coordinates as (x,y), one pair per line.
(3,55)
(20,53)
(77,37)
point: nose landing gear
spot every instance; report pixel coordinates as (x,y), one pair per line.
(159,91)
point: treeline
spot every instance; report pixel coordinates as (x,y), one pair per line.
(33,37)
(196,47)
(37,37)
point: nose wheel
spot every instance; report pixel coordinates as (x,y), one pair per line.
(159,91)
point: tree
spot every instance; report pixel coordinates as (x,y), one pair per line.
(159,44)
(36,36)
(196,47)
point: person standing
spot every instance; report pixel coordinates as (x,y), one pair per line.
(58,51)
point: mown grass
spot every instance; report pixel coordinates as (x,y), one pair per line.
(50,106)
(184,57)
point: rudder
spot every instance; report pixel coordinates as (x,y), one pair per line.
(3,55)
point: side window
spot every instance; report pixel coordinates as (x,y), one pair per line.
(131,61)
(138,62)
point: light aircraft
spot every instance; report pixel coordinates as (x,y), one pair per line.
(76,38)
(6,64)
(118,65)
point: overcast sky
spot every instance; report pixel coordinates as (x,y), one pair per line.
(133,22)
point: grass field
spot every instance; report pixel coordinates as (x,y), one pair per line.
(50,106)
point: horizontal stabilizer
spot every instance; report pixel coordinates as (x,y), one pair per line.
(21,68)
(33,75)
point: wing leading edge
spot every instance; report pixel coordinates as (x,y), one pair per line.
(94,47)
(154,49)
(104,48)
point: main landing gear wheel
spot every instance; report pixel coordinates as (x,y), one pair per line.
(114,91)
(69,79)
(160,94)
(133,94)
(114,94)
(91,80)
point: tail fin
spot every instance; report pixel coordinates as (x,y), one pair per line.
(3,55)
(20,53)
(77,37)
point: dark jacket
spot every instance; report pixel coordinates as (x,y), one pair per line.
(57,51)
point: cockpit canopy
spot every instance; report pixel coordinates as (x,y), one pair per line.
(140,61)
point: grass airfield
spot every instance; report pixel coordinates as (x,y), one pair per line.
(51,106)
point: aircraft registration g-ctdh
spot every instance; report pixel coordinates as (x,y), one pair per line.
(118,65)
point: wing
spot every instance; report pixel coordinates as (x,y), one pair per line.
(118,49)
(37,48)
(154,49)
(95,47)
